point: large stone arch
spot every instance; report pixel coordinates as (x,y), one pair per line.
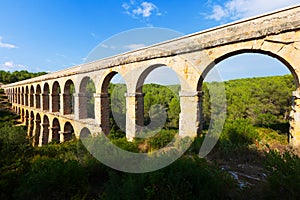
(265,49)
(221,56)
(102,99)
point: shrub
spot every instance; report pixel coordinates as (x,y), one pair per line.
(187,178)
(283,181)
(52,178)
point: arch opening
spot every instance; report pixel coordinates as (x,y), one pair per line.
(26,95)
(68,132)
(31,124)
(259,88)
(68,98)
(31,95)
(86,98)
(85,133)
(45,137)
(56,91)
(55,131)
(46,93)
(37,130)
(157,92)
(113,104)
(38,97)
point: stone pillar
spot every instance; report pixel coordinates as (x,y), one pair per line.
(61,136)
(294,135)
(134,114)
(102,111)
(80,106)
(189,115)
(45,102)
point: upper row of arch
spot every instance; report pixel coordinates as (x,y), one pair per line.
(190,77)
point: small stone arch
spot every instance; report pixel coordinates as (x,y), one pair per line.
(26,95)
(37,130)
(45,125)
(68,131)
(84,133)
(26,117)
(45,97)
(55,131)
(31,124)
(86,98)
(22,96)
(19,95)
(31,95)
(38,96)
(105,103)
(68,98)
(56,91)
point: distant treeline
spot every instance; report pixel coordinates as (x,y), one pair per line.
(11,77)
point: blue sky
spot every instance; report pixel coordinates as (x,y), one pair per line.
(49,35)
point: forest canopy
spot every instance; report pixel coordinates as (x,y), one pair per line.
(11,77)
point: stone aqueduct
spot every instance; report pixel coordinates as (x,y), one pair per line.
(47,111)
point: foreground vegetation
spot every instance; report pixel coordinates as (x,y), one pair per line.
(254,137)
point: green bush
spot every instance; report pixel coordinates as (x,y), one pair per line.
(283,180)
(187,178)
(239,132)
(53,178)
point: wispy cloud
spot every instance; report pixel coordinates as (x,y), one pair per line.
(60,55)
(106,46)
(143,10)
(11,66)
(238,9)
(6,45)
(134,46)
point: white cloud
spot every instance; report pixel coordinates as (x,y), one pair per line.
(238,9)
(6,45)
(144,10)
(11,66)
(134,46)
